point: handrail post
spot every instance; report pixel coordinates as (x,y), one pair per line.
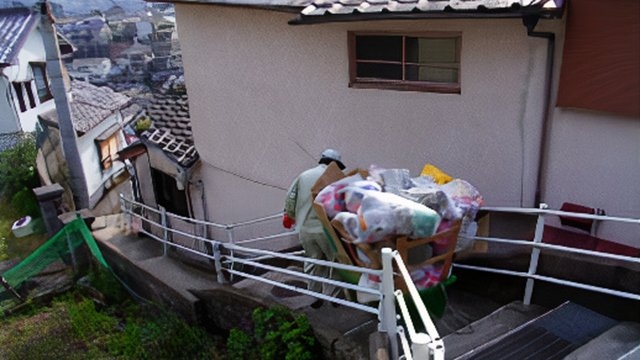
(218,263)
(535,256)
(388,318)
(165,232)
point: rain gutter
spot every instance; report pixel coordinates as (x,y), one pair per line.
(530,23)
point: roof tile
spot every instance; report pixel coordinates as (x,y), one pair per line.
(172,128)
(15,25)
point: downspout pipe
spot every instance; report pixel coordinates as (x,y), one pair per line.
(530,22)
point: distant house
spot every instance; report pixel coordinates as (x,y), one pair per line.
(162,44)
(97,114)
(23,74)
(94,70)
(135,59)
(165,159)
(530,101)
(91,36)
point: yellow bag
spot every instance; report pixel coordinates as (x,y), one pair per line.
(439,176)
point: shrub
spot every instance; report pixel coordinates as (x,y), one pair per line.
(143,124)
(18,168)
(277,334)
(25,203)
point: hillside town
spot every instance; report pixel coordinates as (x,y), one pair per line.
(118,61)
(428,179)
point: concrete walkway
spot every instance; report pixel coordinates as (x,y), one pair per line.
(140,263)
(195,294)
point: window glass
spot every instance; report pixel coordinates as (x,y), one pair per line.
(167,193)
(42,85)
(108,151)
(17,87)
(380,71)
(425,63)
(32,99)
(381,48)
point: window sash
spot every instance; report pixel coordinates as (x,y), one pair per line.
(42,84)
(17,88)
(108,151)
(418,61)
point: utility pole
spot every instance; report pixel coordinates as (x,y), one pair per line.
(67,131)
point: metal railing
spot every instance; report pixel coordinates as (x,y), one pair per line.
(227,254)
(230,255)
(537,245)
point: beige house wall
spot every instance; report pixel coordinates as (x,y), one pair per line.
(266,98)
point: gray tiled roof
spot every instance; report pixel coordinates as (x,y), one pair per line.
(171,129)
(395,8)
(171,113)
(90,105)
(15,25)
(8,141)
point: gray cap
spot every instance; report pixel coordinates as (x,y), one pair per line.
(330,155)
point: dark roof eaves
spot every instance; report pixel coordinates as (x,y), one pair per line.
(281,6)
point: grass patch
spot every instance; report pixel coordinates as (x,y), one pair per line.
(10,246)
(77,326)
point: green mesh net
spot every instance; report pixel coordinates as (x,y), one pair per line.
(60,246)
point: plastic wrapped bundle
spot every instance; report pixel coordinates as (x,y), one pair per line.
(392,180)
(382,215)
(354,193)
(332,198)
(434,198)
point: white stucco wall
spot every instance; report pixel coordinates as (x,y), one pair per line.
(32,51)
(90,158)
(266,98)
(9,122)
(595,161)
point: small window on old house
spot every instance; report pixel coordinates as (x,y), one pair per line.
(108,151)
(418,62)
(168,195)
(17,87)
(29,90)
(42,84)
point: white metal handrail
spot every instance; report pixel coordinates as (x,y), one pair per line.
(537,245)
(429,344)
(421,344)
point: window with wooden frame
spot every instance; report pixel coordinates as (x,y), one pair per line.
(415,61)
(108,150)
(17,87)
(42,83)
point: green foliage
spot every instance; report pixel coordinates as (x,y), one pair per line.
(18,168)
(103,280)
(143,124)
(87,322)
(278,334)
(10,246)
(160,335)
(239,345)
(25,203)
(75,327)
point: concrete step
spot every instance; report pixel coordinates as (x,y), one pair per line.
(461,343)
(620,342)
(551,336)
